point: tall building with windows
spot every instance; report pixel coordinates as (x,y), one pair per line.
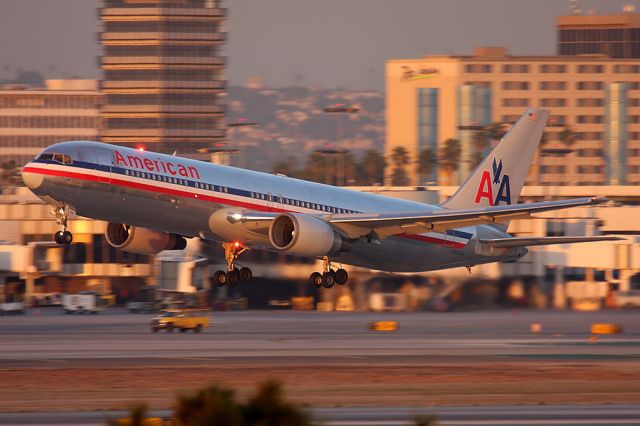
(616,36)
(432,99)
(34,118)
(163,74)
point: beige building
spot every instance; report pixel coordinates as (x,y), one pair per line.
(31,119)
(617,36)
(432,99)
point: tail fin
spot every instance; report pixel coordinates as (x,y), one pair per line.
(499,177)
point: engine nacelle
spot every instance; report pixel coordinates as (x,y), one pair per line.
(304,235)
(142,240)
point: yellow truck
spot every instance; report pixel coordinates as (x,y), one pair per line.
(181,319)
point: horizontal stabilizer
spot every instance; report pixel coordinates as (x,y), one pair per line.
(543,241)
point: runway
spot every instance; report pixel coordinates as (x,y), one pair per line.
(311,337)
(352,416)
(53,362)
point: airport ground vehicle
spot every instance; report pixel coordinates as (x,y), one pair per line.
(627,299)
(83,303)
(194,319)
(14,308)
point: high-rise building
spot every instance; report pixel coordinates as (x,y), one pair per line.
(597,98)
(617,36)
(163,74)
(34,118)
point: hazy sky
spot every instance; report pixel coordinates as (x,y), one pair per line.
(325,42)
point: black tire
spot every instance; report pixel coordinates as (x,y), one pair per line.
(328,279)
(316,279)
(169,328)
(233,277)
(57,237)
(198,328)
(220,278)
(341,276)
(183,330)
(154,329)
(67,237)
(245,275)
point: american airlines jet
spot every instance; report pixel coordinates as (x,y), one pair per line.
(152,202)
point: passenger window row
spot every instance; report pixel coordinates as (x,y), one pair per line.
(298,203)
(223,189)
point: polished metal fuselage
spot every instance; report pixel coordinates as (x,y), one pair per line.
(183,196)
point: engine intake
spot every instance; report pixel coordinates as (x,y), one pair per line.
(304,235)
(142,240)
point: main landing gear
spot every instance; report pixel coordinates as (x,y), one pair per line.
(329,277)
(233,275)
(62,216)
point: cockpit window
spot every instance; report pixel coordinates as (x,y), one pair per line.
(57,157)
(45,156)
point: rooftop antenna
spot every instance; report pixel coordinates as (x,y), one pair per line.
(574,7)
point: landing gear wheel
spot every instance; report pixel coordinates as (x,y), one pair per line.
(58,237)
(220,277)
(316,279)
(67,237)
(328,279)
(341,276)
(233,277)
(245,275)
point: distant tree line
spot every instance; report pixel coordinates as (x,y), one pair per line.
(344,168)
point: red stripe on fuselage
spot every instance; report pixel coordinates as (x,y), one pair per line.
(226,201)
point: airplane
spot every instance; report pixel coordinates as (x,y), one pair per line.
(153,202)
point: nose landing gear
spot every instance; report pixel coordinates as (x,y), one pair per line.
(62,216)
(233,275)
(329,277)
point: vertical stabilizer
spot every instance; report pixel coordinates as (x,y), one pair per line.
(499,178)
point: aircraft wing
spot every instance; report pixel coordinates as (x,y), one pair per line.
(542,241)
(387,224)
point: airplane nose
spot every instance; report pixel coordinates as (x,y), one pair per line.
(30,179)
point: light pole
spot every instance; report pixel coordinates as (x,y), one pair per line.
(240,122)
(337,154)
(342,110)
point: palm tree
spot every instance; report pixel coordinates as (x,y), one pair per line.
(427,161)
(450,157)
(568,137)
(480,141)
(372,168)
(399,159)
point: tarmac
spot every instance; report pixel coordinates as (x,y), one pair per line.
(311,337)
(467,367)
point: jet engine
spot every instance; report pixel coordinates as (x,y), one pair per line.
(142,240)
(304,235)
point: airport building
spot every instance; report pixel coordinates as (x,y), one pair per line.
(436,98)
(34,118)
(31,263)
(164,76)
(616,36)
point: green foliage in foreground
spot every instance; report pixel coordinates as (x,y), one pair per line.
(218,406)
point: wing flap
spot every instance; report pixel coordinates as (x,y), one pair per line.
(542,241)
(386,224)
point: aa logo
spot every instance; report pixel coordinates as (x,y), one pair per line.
(487,184)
